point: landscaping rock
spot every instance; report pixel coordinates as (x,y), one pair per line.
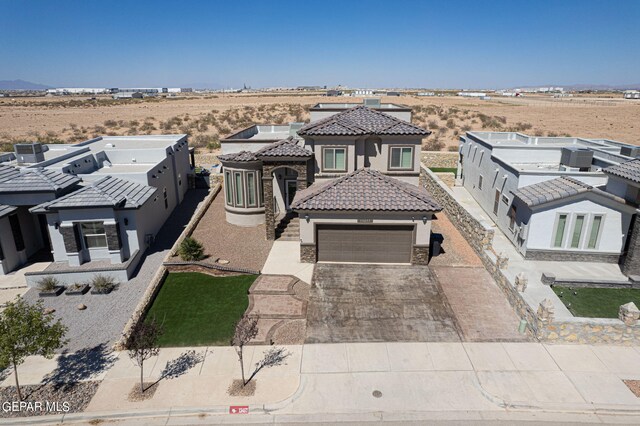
(48,311)
(82,307)
(629,313)
(223,261)
(546,311)
(521,282)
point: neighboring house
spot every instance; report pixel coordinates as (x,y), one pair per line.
(89,207)
(353,180)
(563,199)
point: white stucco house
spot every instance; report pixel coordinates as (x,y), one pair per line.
(92,207)
(561,199)
(345,185)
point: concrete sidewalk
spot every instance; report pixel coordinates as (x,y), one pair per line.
(284,259)
(401,381)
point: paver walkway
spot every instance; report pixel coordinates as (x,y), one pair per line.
(376,303)
(483,312)
(106,315)
(280,302)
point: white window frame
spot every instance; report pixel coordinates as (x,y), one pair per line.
(228,181)
(555,229)
(401,148)
(590,229)
(480,179)
(574,221)
(238,197)
(251,177)
(334,149)
(85,235)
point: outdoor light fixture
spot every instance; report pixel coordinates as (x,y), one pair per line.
(306,217)
(126,221)
(424,219)
(56,225)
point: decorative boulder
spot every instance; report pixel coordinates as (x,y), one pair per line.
(629,313)
(502,261)
(546,311)
(521,282)
(82,307)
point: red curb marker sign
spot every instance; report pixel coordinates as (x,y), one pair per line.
(239,409)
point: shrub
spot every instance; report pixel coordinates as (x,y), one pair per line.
(433,125)
(452,148)
(190,250)
(111,123)
(48,284)
(102,283)
(451,123)
(434,145)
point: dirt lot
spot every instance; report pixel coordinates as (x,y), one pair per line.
(207,118)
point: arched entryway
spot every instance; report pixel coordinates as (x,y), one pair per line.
(281,181)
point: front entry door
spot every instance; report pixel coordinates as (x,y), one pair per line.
(291,186)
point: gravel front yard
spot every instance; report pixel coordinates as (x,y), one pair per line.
(48,399)
(243,247)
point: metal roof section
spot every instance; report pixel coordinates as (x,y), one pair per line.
(365,190)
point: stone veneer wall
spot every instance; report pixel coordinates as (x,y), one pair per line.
(574,330)
(478,233)
(449,179)
(420,255)
(308,253)
(571,256)
(440,159)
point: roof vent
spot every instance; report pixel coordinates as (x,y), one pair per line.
(29,152)
(630,151)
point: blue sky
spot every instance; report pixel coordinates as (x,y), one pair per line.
(393,43)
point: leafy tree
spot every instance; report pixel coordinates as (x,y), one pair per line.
(26,330)
(190,249)
(143,344)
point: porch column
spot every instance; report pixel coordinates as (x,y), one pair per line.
(302,176)
(269,219)
(114,241)
(72,245)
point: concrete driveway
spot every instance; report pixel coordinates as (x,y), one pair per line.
(376,303)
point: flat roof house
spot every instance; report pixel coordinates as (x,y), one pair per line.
(89,207)
(562,199)
(345,186)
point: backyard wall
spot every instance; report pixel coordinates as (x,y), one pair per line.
(440,159)
(480,237)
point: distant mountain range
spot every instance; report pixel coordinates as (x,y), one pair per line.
(21,85)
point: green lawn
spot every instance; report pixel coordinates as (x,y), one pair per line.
(443,169)
(596,302)
(198,309)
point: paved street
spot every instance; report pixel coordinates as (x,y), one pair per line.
(377,303)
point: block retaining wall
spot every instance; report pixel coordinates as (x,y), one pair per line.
(574,330)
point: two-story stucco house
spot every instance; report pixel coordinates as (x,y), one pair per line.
(349,180)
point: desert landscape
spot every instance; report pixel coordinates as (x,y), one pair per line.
(207,118)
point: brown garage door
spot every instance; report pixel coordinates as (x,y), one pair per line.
(364,243)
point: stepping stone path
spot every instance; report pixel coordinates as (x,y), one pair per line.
(280,302)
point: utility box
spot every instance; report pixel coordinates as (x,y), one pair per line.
(29,153)
(576,157)
(630,151)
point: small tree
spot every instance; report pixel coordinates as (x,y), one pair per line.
(190,249)
(143,344)
(246,330)
(26,330)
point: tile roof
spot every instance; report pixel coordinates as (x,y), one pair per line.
(242,157)
(557,189)
(5,210)
(285,148)
(628,170)
(37,180)
(360,121)
(8,172)
(107,192)
(365,190)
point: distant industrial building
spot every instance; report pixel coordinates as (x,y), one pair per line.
(61,91)
(472,94)
(631,94)
(426,94)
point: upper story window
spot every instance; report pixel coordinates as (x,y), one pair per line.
(94,234)
(334,159)
(401,158)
